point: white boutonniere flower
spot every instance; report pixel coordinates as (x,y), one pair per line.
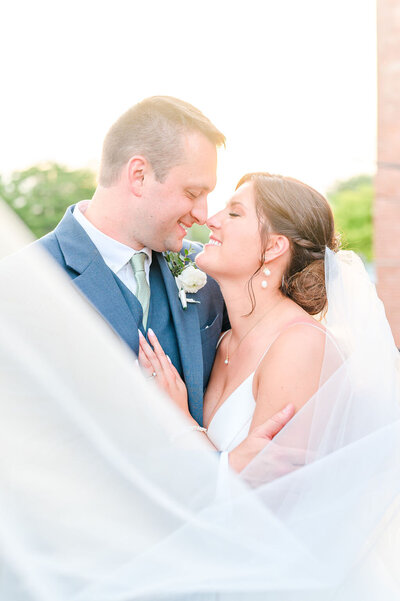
(188,277)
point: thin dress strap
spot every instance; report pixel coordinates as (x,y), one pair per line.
(291,325)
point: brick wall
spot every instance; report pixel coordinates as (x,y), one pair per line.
(387,182)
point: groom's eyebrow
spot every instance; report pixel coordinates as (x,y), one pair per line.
(199,187)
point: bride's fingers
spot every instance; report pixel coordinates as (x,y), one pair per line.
(165,363)
(174,370)
(160,366)
(168,377)
(149,356)
(146,366)
(164,359)
(144,363)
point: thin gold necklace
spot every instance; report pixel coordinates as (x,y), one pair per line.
(228,358)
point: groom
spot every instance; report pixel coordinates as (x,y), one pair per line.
(157,168)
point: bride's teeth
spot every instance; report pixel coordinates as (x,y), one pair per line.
(184,226)
(214,242)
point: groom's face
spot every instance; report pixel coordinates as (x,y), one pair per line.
(171,206)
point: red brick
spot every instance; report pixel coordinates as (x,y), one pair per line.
(387,182)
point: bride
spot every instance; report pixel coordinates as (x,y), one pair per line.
(266,251)
(108,491)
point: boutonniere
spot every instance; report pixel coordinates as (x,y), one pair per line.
(188,277)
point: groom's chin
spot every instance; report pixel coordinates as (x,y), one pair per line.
(168,244)
(176,247)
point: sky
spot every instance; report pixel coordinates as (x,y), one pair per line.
(291,83)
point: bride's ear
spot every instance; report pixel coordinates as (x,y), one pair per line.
(278,245)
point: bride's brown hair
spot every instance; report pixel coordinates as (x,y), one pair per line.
(287,206)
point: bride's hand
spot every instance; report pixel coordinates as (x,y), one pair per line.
(155,361)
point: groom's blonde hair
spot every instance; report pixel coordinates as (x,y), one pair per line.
(154,129)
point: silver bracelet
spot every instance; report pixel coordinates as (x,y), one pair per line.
(189,429)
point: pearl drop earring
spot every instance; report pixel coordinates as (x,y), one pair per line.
(267,272)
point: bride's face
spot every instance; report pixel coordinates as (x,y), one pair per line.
(234,248)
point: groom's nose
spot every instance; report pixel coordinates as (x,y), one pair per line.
(199,209)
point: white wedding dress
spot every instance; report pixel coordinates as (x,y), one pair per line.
(100,502)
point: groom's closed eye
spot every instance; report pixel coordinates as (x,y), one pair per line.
(192,195)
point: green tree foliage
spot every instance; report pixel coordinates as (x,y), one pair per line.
(352,202)
(40,194)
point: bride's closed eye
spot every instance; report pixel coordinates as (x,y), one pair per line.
(234,215)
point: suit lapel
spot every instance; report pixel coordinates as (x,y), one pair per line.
(98,284)
(96,280)
(187,329)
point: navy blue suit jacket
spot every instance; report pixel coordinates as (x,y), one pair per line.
(188,336)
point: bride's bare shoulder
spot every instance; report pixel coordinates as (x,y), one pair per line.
(303,340)
(295,355)
(290,371)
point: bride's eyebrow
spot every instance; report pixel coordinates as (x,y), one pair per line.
(233,203)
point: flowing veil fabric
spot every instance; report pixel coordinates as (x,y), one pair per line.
(101,499)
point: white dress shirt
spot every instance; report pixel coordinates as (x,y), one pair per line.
(116,255)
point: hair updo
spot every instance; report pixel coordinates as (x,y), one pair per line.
(287,206)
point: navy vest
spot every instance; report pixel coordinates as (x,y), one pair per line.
(160,316)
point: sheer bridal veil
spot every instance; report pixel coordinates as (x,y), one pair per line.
(99,500)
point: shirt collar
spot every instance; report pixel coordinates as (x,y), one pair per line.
(115,254)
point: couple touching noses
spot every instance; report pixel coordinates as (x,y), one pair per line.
(264,260)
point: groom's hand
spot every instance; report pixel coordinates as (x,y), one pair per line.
(240,457)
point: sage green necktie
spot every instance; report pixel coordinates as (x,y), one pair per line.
(143,288)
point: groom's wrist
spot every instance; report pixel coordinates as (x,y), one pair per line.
(235,460)
(241,456)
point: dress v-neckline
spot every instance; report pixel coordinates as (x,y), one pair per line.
(233,393)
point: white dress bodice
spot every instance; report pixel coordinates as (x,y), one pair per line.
(231,422)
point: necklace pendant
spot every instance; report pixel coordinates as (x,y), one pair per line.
(226,361)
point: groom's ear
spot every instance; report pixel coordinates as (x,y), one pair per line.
(278,245)
(136,168)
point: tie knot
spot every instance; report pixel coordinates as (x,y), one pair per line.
(137,262)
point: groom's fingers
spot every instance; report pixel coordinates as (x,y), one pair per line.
(274,424)
(259,438)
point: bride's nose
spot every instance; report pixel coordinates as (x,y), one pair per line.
(215,221)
